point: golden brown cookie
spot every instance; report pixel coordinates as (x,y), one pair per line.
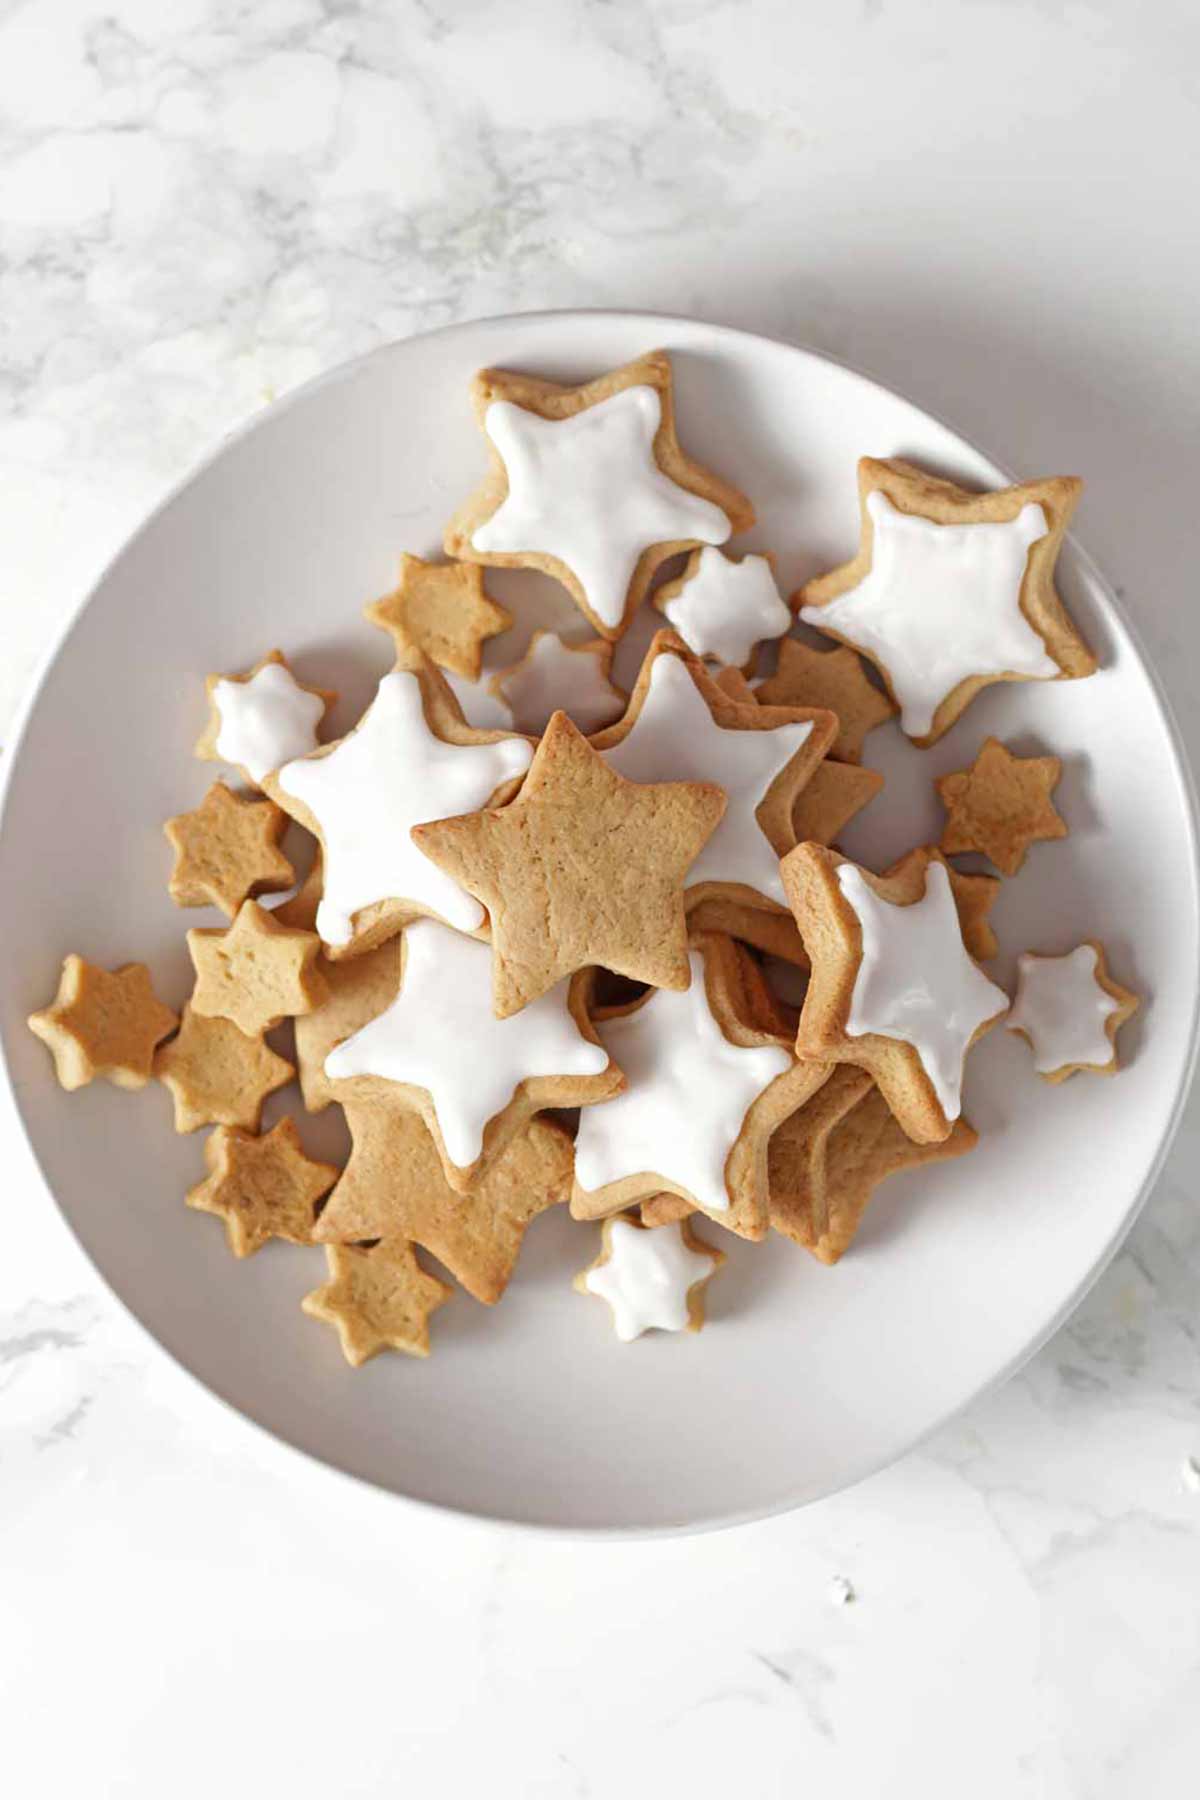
(554,676)
(300,912)
(262,1187)
(833,795)
(102,1023)
(227,851)
(442,609)
(832,678)
(1001,805)
(261,719)
(665,1209)
(1069,1010)
(379,1299)
(653,1280)
(217,1075)
(589,485)
(356,991)
(582,867)
(256,972)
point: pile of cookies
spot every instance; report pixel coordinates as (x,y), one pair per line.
(534,957)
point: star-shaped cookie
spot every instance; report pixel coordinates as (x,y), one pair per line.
(262,1187)
(217,1075)
(226,851)
(103,1023)
(974,896)
(723,607)
(357,990)
(556,677)
(1069,1010)
(589,484)
(582,867)
(442,609)
(951,590)
(262,719)
(379,1299)
(833,795)
(256,972)
(1001,805)
(653,1280)
(832,678)
(393,1188)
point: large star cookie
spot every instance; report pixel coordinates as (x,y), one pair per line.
(257,972)
(1069,1010)
(217,1075)
(589,484)
(951,590)
(556,677)
(103,1023)
(1001,805)
(723,607)
(442,610)
(226,851)
(262,719)
(262,1187)
(378,1299)
(652,1280)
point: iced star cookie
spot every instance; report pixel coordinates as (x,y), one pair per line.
(442,610)
(974,896)
(410,759)
(256,973)
(103,1023)
(262,719)
(438,1048)
(833,678)
(582,867)
(710,1075)
(951,590)
(1001,805)
(652,1280)
(589,485)
(1069,1010)
(723,607)
(262,1187)
(226,851)
(216,1075)
(892,988)
(378,1299)
(556,677)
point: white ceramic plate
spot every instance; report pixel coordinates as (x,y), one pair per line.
(806,1377)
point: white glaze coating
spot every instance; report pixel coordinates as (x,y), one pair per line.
(726,607)
(587,490)
(554,676)
(646,1278)
(676,738)
(480,707)
(1062,1006)
(440,1033)
(689,1092)
(390,774)
(916,982)
(940,603)
(265,721)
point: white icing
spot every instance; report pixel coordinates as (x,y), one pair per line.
(726,608)
(916,981)
(440,1033)
(646,1278)
(1062,1006)
(941,603)
(480,707)
(587,490)
(552,677)
(265,721)
(676,738)
(689,1092)
(366,795)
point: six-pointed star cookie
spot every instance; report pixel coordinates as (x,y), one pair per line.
(102,1023)
(1001,805)
(582,867)
(410,759)
(590,485)
(476,1080)
(217,1075)
(442,609)
(832,678)
(227,850)
(393,1187)
(262,719)
(951,590)
(1069,1010)
(262,1187)
(255,973)
(379,1299)
(556,677)
(723,607)
(652,1280)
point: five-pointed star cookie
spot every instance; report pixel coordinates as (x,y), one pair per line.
(951,590)
(832,678)
(393,1188)
(102,1023)
(217,1075)
(1069,1010)
(227,850)
(653,1280)
(556,677)
(257,972)
(1001,805)
(974,896)
(262,719)
(589,484)
(379,1299)
(442,609)
(262,1187)
(582,867)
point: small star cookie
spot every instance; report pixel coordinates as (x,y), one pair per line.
(832,678)
(102,1023)
(262,719)
(589,485)
(951,590)
(442,609)
(582,867)
(652,1279)
(379,1299)
(262,1187)
(217,1075)
(834,794)
(1069,1010)
(556,677)
(256,972)
(226,851)
(723,607)
(1001,805)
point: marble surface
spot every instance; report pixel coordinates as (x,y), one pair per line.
(203,203)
